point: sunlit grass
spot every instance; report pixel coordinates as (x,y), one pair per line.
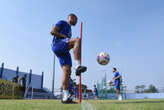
(146,104)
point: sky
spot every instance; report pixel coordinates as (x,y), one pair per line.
(131,31)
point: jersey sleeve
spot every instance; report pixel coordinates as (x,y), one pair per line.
(59,24)
(116,74)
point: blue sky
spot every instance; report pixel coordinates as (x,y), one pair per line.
(131,31)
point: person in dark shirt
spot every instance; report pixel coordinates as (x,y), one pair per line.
(15,79)
(95,92)
(23,83)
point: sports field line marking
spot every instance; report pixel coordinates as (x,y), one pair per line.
(87,106)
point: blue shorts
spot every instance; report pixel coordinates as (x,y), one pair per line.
(62,52)
(95,93)
(117,85)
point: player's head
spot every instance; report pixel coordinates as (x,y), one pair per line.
(72,19)
(114,69)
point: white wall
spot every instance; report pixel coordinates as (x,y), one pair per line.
(138,96)
(145,95)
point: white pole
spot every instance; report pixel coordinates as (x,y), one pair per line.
(53,77)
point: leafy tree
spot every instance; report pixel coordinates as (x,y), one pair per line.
(140,89)
(137,89)
(111,90)
(151,89)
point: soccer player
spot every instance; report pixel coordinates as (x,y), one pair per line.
(61,45)
(117,83)
(23,83)
(95,92)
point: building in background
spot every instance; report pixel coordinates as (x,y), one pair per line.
(36,80)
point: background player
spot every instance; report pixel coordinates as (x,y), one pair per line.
(117,82)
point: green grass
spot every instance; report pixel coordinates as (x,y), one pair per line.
(146,104)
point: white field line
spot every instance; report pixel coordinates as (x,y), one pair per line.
(87,106)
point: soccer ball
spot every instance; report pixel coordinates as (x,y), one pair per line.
(103,58)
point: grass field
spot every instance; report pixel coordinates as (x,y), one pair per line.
(146,104)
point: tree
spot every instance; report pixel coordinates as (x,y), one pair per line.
(140,89)
(84,87)
(137,89)
(151,89)
(111,90)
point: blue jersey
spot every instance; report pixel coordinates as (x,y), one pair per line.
(95,91)
(117,81)
(60,45)
(65,29)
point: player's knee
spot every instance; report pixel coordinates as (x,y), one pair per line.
(77,40)
(68,71)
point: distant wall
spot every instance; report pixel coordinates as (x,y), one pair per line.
(8,74)
(138,96)
(145,95)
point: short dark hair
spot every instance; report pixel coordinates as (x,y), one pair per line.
(114,68)
(72,14)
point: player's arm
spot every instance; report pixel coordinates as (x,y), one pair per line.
(56,32)
(115,78)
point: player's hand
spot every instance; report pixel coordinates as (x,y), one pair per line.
(111,83)
(64,36)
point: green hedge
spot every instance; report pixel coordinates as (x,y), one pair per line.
(10,90)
